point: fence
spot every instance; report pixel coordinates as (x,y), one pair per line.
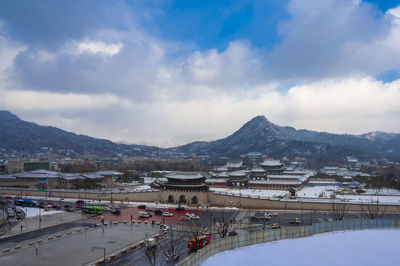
(243,240)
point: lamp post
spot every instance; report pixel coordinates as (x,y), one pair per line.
(40,220)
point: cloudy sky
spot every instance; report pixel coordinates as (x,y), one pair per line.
(170,72)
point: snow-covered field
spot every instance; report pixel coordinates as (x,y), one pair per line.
(317,192)
(366,248)
(32,212)
(252,192)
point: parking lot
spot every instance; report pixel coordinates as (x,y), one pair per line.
(133,212)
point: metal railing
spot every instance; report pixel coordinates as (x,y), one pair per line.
(253,238)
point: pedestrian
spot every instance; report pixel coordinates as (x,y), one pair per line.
(131,217)
(37,248)
(21,227)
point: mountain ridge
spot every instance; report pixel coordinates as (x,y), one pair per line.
(257,134)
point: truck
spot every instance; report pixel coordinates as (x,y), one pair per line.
(115,210)
(296,221)
(150,242)
(79,203)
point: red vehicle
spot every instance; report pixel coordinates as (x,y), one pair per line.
(199,242)
(51,203)
(79,203)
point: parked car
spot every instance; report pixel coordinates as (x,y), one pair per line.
(41,205)
(180,208)
(144,214)
(69,209)
(273,214)
(56,207)
(167,214)
(158,212)
(149,209)
(142,206)
(275,226)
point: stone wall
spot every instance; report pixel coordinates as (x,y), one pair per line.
(209,198)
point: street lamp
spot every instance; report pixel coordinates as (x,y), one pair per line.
(103,248)
(40,220)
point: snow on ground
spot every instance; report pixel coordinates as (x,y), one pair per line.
(382,191)
(252,192)
(32,212)
(367,248)
(316,191)
(370,198)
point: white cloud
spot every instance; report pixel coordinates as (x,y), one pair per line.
(33,100)
(127,86)
(98,47)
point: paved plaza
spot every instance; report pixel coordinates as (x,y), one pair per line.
(76,248)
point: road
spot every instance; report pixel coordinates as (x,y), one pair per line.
(138,257)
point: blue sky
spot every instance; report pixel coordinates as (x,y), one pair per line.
(170,72)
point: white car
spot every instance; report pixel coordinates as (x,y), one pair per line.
(192,216)
(167,214)
(273,214)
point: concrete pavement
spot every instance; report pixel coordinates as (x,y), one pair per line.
(76,248)
(32,223)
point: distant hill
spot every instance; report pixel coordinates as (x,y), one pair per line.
(18,135)
(260,135)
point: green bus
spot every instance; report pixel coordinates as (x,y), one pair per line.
(92,210)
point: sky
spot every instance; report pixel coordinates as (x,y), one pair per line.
(170,72)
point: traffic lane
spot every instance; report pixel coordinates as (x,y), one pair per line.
(138,257)
(133,213)
(214,216)
(42,232)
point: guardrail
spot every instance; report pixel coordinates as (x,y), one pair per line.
(253,238)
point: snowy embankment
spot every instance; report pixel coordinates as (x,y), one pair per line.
(368,247)
(32,212)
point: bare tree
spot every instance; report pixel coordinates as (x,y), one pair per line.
(152,250)
(373,209)
(338,209)
(224,222)
(172,245)
(195,230)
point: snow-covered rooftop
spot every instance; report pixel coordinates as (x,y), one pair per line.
(184,175)
(271,163)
